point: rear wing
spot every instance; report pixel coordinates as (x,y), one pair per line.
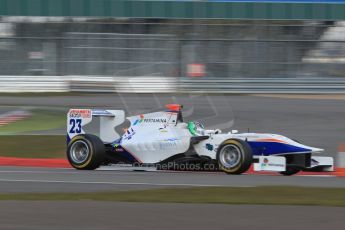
(109,119)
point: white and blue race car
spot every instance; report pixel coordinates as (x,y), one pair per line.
(163,138)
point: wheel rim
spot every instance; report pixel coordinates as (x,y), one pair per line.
(79,152)
(230,156)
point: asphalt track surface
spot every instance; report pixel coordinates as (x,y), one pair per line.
(319,122)
(19,180)
(120,215)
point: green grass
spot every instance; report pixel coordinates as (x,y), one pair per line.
(40,120)
(33,146)
(215,195)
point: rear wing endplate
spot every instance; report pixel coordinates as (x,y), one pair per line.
(109,119)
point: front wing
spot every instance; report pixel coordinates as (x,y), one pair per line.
(279,164)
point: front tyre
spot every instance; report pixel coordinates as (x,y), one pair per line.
(234,156)
(85,152)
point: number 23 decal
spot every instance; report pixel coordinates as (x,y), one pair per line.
(75,126)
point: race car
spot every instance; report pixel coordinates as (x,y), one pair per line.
(164,139)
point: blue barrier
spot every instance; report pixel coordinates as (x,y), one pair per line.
(283,1)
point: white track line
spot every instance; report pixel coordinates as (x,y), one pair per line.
(107,172)
(318,175)
(131,172)
(127,171)
(120,183)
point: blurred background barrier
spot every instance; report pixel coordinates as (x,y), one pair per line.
(123,84)
(259,85)
(169,84)
(206,85)
(172,46)
(34,84)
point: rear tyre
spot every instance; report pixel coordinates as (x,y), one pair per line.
(85,152)
(234,156)
(289,171)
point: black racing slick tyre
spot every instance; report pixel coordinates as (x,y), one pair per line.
(85,152)
(234,156)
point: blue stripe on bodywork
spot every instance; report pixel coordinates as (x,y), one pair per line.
(272,148)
